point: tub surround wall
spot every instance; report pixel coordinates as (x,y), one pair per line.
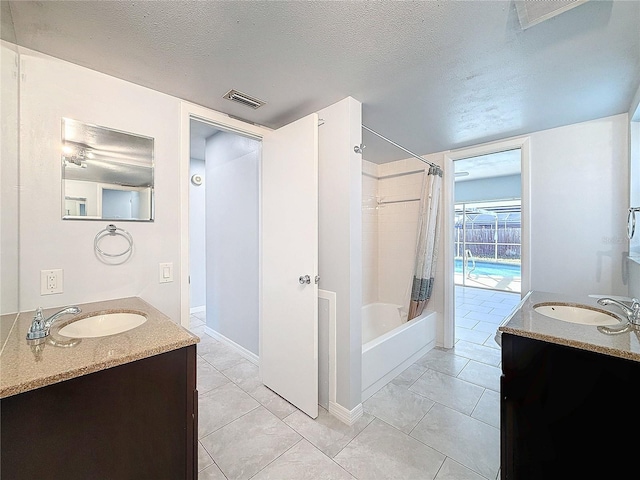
(51,89)
(369,232)
(398,228)
(392,229)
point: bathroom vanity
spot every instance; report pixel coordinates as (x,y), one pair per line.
(122,406)
(568,395)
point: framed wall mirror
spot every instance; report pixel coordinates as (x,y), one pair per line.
(107,174)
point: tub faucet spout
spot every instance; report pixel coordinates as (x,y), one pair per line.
(632,312)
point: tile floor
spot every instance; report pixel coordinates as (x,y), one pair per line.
(439,419)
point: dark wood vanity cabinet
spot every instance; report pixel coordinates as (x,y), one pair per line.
(136,421)
(566,412)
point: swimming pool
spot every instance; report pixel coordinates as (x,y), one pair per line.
(490,269)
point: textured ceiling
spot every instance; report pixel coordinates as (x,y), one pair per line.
(432,75)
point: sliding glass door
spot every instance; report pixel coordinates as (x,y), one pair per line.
(487,245)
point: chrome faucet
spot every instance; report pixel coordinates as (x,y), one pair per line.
(632,311)
(40,326)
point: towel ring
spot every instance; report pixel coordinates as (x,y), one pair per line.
(631,222)
(112,230)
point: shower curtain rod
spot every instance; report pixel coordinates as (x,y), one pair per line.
(401,148)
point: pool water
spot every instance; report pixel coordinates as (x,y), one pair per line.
(490,269)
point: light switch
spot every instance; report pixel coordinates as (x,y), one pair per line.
(165,273)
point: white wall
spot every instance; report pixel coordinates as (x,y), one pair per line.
(579,195)
(9,180)
(340,238)
(232,237)
(52,89)
(197,242)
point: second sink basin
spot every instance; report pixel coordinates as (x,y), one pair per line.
(102,324)
(575,313)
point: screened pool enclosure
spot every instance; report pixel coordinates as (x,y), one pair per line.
(488,245)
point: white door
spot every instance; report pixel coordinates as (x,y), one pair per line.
(289,316)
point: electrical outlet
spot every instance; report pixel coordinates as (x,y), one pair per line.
(51,281)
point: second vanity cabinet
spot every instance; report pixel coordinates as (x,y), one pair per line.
(567,412)
(135,421)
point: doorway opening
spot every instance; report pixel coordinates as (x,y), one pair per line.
(252,179)
(487,245)
(487,224)
(224,207)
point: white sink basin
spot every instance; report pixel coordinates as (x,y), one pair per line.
(102,324)
(577,314)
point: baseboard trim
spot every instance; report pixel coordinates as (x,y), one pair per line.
(346,416)
(199,309)
(252,357)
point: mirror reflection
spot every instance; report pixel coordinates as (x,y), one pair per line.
(106,174)
(9,188)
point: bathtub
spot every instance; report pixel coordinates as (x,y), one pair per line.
(390,344)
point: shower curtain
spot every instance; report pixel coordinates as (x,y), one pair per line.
(427,245)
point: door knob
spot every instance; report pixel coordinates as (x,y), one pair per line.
(304,279)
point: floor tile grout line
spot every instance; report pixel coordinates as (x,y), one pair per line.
(231,421)
(484,389)
(296,443)
(356,436)
(212,459)
(425,414)
(417,439)
(442,453)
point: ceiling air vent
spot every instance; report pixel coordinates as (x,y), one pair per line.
(532,12)
(243,99)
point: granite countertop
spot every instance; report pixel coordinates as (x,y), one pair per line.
(526,322)
(25,367)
